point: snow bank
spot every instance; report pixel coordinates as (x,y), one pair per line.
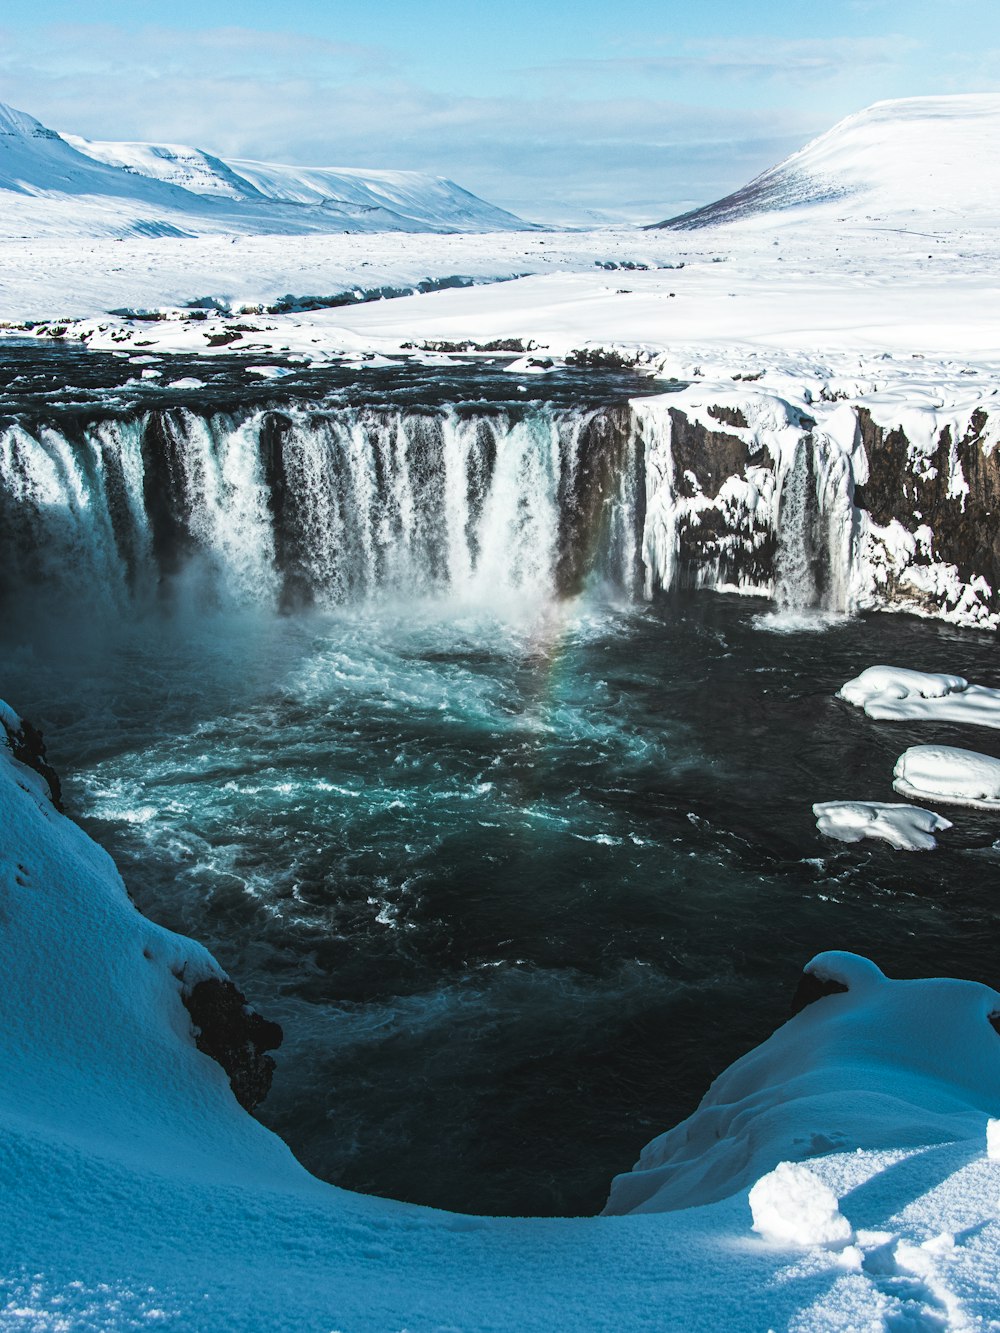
(899,694)
(884,1064)
(946,773)
(904,826)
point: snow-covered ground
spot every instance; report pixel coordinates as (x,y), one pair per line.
(137,1193)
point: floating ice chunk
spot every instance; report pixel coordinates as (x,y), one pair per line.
(993,1140)
(532,365)
(268,372)
(907,827)
(792,1206)
(188,382)
(946,773)
(897,693)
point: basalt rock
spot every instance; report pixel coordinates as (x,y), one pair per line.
(235,1036)
(954,492)
(28,748)
(812,988)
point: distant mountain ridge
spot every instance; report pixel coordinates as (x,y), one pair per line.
(64,185)
(916,155)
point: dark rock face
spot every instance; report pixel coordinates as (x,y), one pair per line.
(812,988)
(965,527)
(28,747)
(586,495)
(734,544)
(234,1036)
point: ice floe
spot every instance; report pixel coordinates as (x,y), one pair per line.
(947,773)
(891,693)
(907,827)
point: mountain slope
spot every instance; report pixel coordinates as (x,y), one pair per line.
(52,185)
(395,200)
(915,155)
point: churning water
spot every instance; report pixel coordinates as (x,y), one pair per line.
(519,861)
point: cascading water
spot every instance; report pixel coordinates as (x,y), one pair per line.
(298,508)
(485,857)
(796,587)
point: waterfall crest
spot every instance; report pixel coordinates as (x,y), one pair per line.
(293,508)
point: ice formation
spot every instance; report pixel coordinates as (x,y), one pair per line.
(904,826)
(947,773)
(897,693)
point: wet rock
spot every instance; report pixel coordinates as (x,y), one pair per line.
(812,988)
(235,1036)
(28,748)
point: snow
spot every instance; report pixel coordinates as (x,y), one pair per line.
(900,694)
(137,1192)
(66,186)
(792,1206)
(135,1189)
(886,1064)
(947,773)
(910,155)
(904,826)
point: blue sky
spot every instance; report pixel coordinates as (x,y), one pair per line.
(638,107)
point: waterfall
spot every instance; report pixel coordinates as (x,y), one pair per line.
(814,563)
(298,507)
(796,587)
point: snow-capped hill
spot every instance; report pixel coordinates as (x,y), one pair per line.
(64,185)
(34,160)
(176,164)
(390,200)
(914,155)
(412,195)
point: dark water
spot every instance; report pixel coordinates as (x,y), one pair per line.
(55,381)
(517,881)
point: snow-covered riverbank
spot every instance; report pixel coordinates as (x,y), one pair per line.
(137,1192)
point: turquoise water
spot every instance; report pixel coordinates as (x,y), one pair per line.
(518,879)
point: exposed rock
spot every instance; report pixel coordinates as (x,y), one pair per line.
(235,1036)
(28,748)
(955,492)
(812,988)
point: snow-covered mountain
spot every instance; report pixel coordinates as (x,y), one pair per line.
(915,155)
(381,200)
(53,185)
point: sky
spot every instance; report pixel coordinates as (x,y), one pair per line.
(561,111)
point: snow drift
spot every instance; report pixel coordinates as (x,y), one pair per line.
(877,1064)
(913,155)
